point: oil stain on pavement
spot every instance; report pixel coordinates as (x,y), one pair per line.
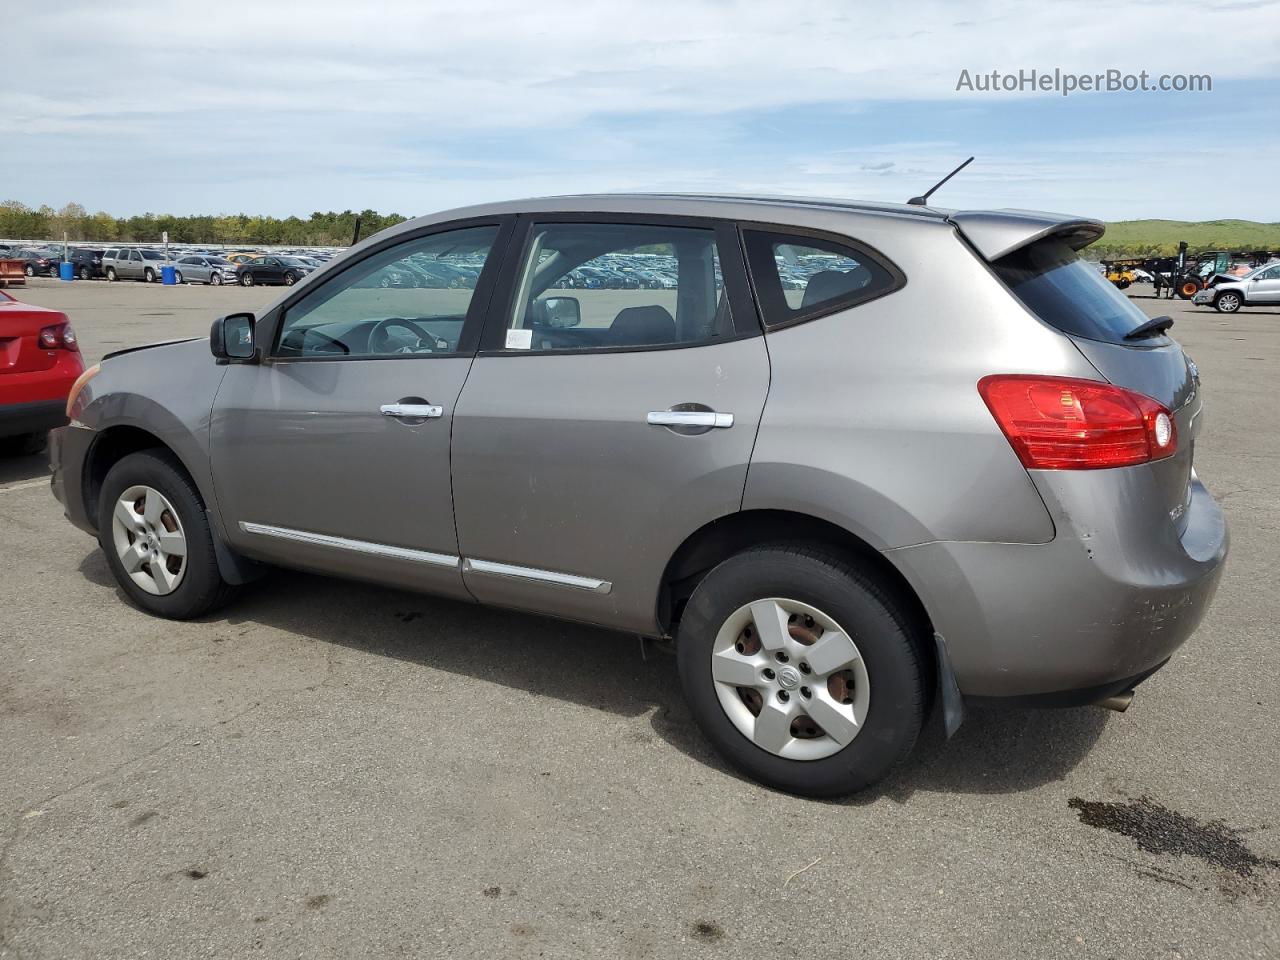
(1159,830)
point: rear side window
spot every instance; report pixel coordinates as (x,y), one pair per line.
(798,278)
(1068,293)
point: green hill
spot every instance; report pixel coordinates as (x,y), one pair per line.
(1147,238)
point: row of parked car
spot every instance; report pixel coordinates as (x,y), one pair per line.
(146,264)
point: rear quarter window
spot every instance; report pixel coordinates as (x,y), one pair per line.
(800,277)
(1069,293)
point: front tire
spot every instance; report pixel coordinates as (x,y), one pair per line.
(290,279)
(148,275)
(246,280)
(177,276)
(778,683)
(155,534)
(215,279)
(1228,302)
(30,271)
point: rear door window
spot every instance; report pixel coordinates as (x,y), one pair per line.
(1069,293)
(798,278)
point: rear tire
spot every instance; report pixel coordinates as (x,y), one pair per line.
(200,588)
(84,274)
(25,444)
(111,275)
(887,647)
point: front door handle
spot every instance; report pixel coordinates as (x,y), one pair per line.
(689,418)
(413,411)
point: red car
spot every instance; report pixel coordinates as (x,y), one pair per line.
(39,362)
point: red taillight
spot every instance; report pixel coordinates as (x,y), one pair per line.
(57,337)
(1060,423)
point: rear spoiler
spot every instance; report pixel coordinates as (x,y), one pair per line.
(998,233)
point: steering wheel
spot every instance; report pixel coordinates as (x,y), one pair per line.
(379,342)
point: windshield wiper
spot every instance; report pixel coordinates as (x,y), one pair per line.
(1151,328)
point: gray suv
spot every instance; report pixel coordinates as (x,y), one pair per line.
(133,263)
(851,459)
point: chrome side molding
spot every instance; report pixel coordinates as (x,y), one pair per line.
(540,576)
(432,559)
(356,546)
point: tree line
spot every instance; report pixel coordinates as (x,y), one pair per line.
(18,221)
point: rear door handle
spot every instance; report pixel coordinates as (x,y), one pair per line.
(689,418)
(414,411)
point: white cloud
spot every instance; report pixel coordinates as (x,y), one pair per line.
(352,99)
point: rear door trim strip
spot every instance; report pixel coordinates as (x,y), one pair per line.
(540,576)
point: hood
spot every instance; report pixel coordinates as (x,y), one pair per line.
(148,346)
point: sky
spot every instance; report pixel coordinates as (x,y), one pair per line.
(414,107)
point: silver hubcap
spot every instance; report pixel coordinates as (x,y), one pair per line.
(790,679)
(149,540)
(1228,302)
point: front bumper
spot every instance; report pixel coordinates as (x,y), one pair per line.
(1091,612)
(68,455)
(1204,296)
(19,418)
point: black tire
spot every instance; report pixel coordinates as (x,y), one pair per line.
(1188,287)
(84,274)
(246,279)
(215,279)
(30,271)
(148,275)
(111,275)
(177,276)
(290,278)
(1228,302)
(202,588)
(889,642)
(25,444)
(1123,283)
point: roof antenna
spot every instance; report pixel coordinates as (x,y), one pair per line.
(924,200)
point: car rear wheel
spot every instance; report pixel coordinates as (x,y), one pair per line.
(111,275)
(778,683)
(246,280)
(25,444)
(154,531)
(83,273)
(1228,302)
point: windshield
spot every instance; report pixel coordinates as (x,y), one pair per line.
(1068,293)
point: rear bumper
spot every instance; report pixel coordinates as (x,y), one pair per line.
(20,418)
(1089,614)
(68,454)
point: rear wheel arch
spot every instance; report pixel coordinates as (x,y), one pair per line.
(733,533)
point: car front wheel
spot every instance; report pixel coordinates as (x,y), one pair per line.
(31,271)
(805,673)
(216,279)
(246,280)
(154,531)
(1227,302)
(148,275)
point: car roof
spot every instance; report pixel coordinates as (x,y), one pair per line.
(993,232)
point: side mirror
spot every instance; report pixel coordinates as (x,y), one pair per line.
(231,337)
(562,312)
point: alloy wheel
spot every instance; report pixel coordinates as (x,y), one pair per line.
(790,679)
(149,539)
(1228,303)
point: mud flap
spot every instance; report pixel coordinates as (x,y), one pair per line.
(948,690)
